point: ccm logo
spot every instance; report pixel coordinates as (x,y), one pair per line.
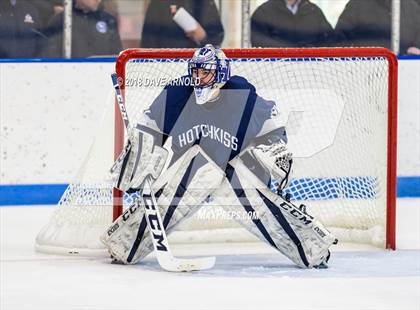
(129,211)
(304,218)
(152,218)
(122,107)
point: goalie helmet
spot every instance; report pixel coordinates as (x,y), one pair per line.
(212,61)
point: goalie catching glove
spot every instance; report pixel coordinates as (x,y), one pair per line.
(277,159)
(142,156)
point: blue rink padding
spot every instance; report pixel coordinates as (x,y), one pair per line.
(31,194)
(49,194)
(408,187)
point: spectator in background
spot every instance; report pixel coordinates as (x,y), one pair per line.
(20,30)
(290,23)
(160,30)
(111,6)
(94,32)
(47,9)
(368,23)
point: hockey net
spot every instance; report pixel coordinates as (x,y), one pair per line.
(339,108)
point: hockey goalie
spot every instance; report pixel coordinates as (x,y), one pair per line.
(209,134)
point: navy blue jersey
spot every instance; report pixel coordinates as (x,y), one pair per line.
(222,127)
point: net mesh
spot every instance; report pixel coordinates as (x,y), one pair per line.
(335,111)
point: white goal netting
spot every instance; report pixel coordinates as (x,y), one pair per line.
(336,113)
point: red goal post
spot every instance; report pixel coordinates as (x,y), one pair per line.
(333,54)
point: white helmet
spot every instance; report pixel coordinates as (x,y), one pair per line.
(209,58)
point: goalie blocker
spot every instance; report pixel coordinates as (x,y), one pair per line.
(141,157)
(184,186)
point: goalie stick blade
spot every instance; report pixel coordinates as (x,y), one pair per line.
(186,264)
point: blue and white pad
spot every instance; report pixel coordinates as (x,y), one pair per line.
(290,230)
(180,191)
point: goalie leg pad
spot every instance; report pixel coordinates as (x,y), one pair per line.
(181,190)
(293,232)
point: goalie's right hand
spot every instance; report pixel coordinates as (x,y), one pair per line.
(140,157)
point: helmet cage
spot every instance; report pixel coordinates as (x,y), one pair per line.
(192,66)
(222,72)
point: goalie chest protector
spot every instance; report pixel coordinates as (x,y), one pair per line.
(222,127)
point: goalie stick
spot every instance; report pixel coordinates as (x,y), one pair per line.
(154,220)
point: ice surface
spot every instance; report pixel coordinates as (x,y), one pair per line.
(245,276)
